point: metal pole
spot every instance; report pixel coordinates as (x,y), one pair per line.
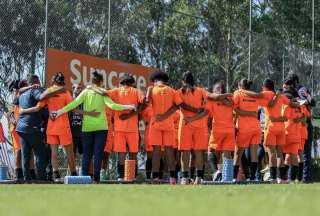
(45,43)
(283,67)
(250,28)
(162,35)
(312,51)
(109,25)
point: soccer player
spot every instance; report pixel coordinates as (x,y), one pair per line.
(165,102)
(75,119)
(58,131)
(94,128)
(293,136)
(223,130)
(249,131)
(192,135)
(126,131)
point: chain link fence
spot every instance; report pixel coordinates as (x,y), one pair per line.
(209,38)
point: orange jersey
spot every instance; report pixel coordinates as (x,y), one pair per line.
(162,99)
(59,126)
(293,129)
(246,103)
(125,95)
(222,116)
(195,99)
(275,111)
(304,130)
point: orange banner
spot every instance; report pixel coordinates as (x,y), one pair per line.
(78,68)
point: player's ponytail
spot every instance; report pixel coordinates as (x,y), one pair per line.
(188,82)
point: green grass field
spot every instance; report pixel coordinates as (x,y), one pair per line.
(235,200)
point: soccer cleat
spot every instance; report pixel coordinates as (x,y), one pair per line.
(173,181)
(120,179)
(184,181)
(217,176)
(197,181)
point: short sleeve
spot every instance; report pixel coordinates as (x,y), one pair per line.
(204,94)
(36,93)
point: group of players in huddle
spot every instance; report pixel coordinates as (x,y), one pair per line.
(181,126)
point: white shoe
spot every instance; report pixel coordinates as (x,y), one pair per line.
(184,181)
(217,176)
(120,179)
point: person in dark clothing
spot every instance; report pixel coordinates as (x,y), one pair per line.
(75,118)
(29,131)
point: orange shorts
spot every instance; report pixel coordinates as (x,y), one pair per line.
(245,139)
(292,145)
(109,143)
(274,138)
(192,138)
(146,138)
(16,141)
(158,137)
(124,139)
(222,140)
(65,139)
(301,146)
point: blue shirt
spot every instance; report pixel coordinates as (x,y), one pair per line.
(31,122)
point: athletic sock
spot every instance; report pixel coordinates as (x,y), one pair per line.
(120,170)
(273,173)
(286,169)
(56,175)
(235,171)
(200,173)
(192,171)
(148,168)
(161,168)
(33,174)
(300,171)
(253,170)
(294,172)
(19,173)
(178,168)
(282,173)
(155,175)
